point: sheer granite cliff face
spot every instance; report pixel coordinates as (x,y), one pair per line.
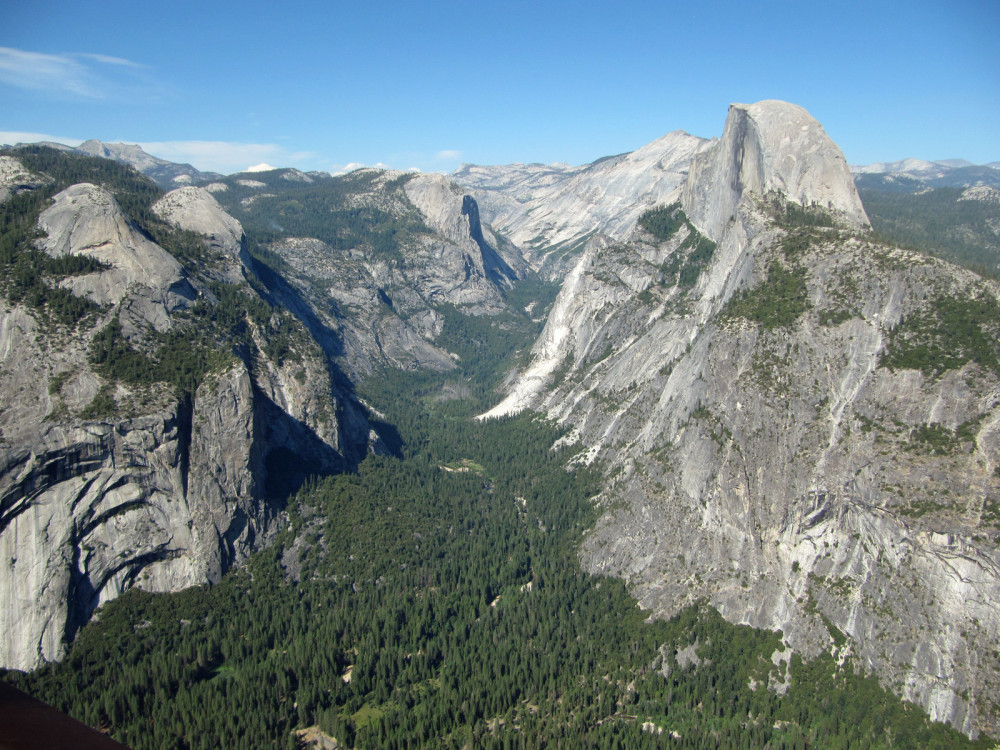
(456,262)
(164,491)
(551,211)
(163,501)
(764,449)
(770,147)
(386,310)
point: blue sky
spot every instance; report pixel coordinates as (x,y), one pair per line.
(321,85)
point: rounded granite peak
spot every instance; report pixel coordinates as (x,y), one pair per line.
(195,209)
(85,219)
(771,146)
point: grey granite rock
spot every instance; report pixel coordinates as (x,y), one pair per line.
(549,210)
(777,471)
(86,220)
(162,490)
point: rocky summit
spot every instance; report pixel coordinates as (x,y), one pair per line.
(146,433)
(550,211)
(790,425)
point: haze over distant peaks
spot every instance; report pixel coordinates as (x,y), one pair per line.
(911,165)
(918,174)
(166,174)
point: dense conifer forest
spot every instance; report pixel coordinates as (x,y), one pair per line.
(942,221)
(435,599)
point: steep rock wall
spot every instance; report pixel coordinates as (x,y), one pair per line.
(107,484)
(769,147)
(89,509)
(778,465)
(549,210)
(385,308)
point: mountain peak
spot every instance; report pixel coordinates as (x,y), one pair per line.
(552,210)
(770,146)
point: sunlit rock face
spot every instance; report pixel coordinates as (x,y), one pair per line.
(93,508)
(762,450)
(770,147)
(196,210)
(386,308)
(161,490)
(86,220)
(550,211)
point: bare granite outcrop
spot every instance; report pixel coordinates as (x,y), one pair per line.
(167,489)
(551,210)
(782,467)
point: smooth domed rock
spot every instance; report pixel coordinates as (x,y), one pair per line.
(86,220)
(197,210)
(770,147)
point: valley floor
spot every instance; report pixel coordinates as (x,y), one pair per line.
(456,602)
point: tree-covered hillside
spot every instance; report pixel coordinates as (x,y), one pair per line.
(287,203)
(227,321)
(436,600)
(431,596)
(956,224)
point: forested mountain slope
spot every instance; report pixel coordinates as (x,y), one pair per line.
(168,175)
(958,224)
(948,209)
(152,396)
(798,422)
(190,377)
(438,601)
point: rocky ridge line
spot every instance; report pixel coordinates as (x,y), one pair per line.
(765,456)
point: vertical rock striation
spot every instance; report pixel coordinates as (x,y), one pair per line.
(163,489)
(551,211)
(766,449)
(770,147)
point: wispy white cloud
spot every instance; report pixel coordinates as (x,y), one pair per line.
(339,169)
(226,156)
(110,60)
(448,155)
(86,76)
(52,73)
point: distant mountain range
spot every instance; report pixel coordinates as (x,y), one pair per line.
(948,208)
(538,182)
(166,174)
(912,175)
